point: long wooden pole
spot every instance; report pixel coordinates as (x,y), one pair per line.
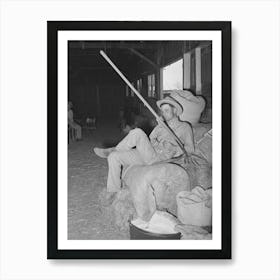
(159,120)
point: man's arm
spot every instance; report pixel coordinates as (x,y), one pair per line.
(188,139)
(154,134)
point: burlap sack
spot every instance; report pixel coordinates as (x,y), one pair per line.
(192,105)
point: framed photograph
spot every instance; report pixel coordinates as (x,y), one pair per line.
(139,140)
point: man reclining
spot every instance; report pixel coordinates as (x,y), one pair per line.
(137,149)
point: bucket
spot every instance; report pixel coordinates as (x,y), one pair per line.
(137,233)
(192,211)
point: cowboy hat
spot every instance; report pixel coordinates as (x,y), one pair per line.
(171,100)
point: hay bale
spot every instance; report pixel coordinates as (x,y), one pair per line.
(200,172)
(204,147)
(198,169)
(155,187)
(191,232)
(122,210)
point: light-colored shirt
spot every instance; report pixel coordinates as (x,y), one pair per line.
(165,145)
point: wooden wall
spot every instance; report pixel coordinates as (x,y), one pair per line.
(100,91)
(94,95)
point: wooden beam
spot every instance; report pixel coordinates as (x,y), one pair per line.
(95,68)
(145,58)
(205,44)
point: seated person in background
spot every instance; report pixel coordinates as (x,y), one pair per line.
(137,149)
(72,123)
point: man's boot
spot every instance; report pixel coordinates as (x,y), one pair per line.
(103,153)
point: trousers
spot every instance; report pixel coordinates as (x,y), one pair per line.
(134,149)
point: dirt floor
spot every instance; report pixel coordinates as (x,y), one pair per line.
(87,175)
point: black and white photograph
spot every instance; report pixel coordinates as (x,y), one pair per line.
(140,150)
(135,162)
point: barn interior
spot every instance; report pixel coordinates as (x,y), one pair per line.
(97,92)
(96,89)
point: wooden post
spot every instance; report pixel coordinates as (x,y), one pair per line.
(158,76)
(198,70)
(160,73)
(161,83)
(187,70)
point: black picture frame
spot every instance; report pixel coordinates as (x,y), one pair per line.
(52,137)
